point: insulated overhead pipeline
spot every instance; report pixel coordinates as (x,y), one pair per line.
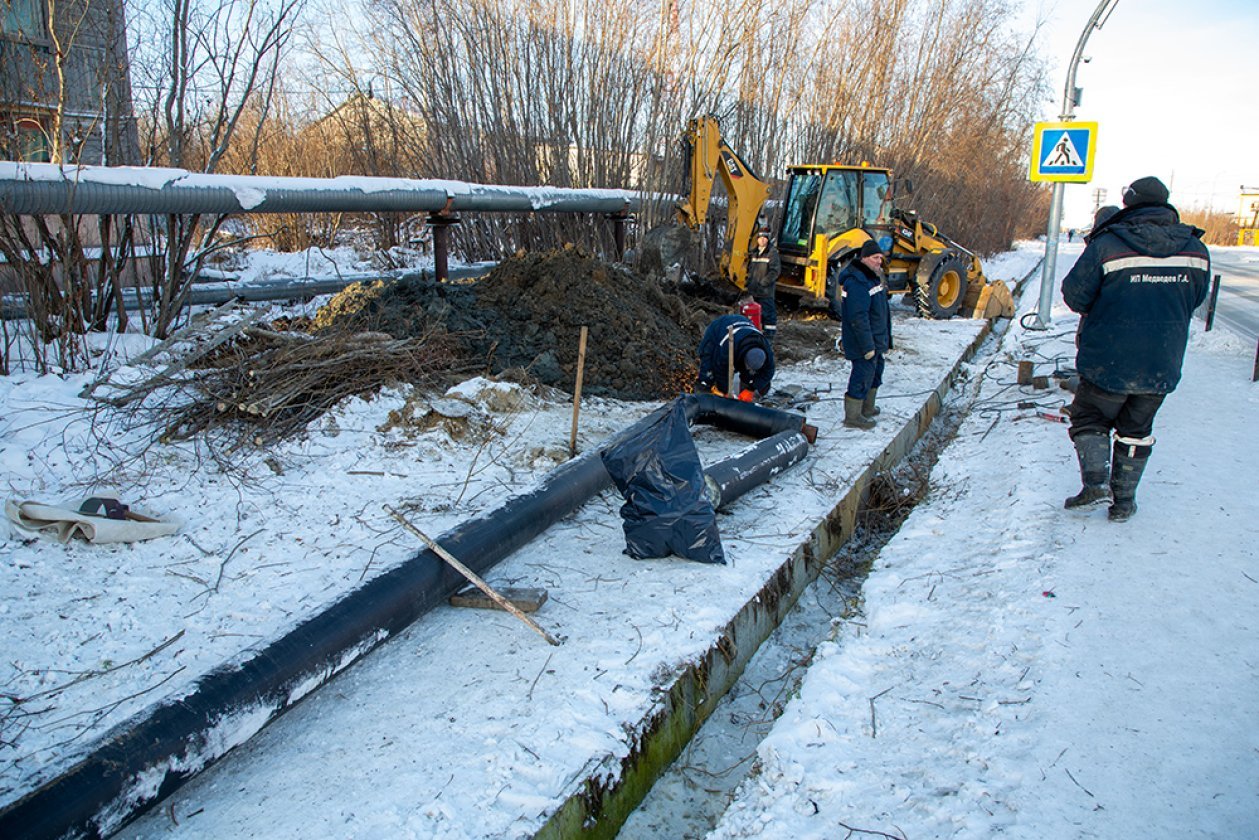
(47,188)
(155,752)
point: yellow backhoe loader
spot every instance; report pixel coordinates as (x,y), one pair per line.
(829,212)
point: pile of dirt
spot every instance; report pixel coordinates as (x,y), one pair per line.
(528,313)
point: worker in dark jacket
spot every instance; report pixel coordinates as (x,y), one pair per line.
(764,266)
(753,358)
(1136,286)
(865,330)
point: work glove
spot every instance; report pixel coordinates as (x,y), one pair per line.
(747,396)
(869,355)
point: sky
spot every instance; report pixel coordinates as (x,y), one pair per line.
(988,679)
(1171,86)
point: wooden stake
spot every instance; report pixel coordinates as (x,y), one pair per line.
(473,577)
(730,349)
(581,368)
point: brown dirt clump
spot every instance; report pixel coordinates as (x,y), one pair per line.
(528,313)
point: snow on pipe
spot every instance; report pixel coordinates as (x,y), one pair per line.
(47,188)
(149,756)
(727,480)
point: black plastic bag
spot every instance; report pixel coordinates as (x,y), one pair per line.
(666,510)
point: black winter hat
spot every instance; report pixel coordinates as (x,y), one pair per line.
(868,249)
(1147,190)
(754,360)
(1103,214)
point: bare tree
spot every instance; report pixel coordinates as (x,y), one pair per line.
(204,64)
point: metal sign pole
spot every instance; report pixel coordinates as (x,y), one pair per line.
(1049,270)
(1069,98)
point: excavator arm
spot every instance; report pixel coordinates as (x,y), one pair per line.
(712,158)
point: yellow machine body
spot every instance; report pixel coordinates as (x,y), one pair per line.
(829,212)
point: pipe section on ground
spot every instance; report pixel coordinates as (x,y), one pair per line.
(151,755)
(48,188)
(727,480)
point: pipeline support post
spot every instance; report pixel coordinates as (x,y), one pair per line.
(618,232)
(440,222)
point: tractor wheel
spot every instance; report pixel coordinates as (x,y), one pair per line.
(940,293)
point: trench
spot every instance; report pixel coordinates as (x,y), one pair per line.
(691,795)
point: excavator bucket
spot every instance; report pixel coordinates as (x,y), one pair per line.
(991,300)
(667,250)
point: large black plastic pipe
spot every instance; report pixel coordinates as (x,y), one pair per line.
(149,756)
(727,480)
(47,188)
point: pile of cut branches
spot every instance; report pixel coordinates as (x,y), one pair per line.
(273,384)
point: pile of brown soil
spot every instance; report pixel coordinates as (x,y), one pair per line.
(528,313)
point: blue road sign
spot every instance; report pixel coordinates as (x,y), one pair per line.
(1063,151)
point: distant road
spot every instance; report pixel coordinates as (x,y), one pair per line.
(1238,306)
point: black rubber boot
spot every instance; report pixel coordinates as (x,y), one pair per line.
(853,417)
(1093,451)
(868,408)
(1130,457)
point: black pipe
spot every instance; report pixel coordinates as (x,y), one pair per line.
(148,757)
(727,480)
(745,418)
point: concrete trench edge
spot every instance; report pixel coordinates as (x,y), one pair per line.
(613,788)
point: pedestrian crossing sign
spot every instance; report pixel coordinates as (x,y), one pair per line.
(1063,151)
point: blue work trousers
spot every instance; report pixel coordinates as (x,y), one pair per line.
(866,375)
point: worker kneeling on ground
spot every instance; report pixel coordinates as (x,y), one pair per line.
(866,331)
(753,358)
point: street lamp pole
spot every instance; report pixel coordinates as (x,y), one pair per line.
(1070,98)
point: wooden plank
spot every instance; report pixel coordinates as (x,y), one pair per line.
(524,599)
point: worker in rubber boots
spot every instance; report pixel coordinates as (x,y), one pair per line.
(753,358)
(1135,286)
(764,266)
(865,318)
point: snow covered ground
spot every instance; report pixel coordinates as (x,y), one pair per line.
(1024,671)
(1015,667)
